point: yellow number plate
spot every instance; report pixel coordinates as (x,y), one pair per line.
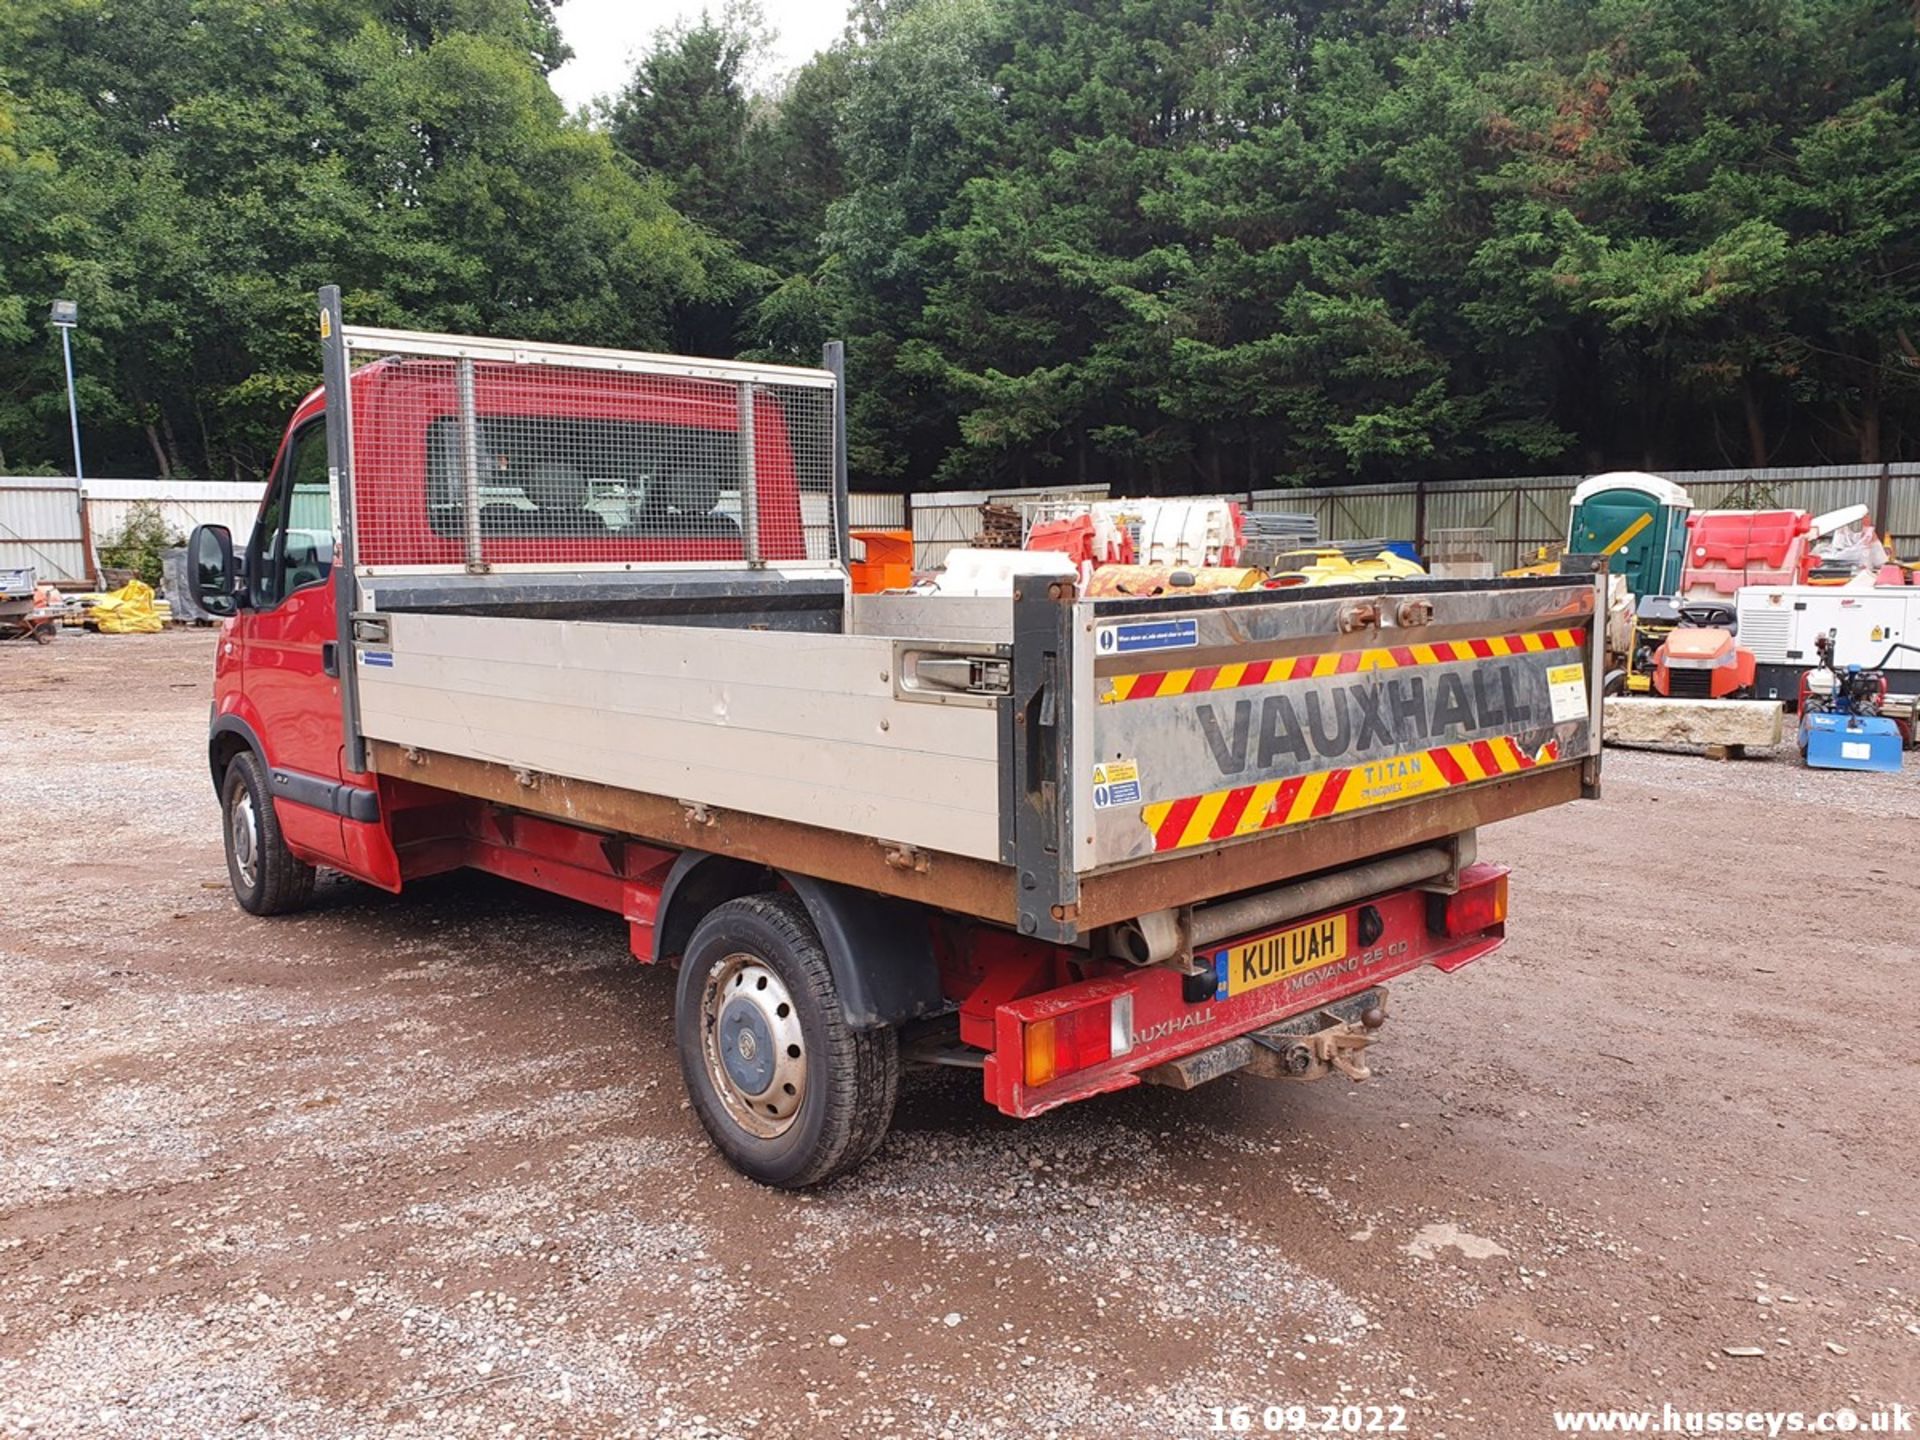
(1254,963)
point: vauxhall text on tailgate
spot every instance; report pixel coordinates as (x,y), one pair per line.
(582,619)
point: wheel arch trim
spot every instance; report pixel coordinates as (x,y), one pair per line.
(350,802)
(879,948)
(221,733)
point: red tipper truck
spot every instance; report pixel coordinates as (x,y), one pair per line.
(581,619)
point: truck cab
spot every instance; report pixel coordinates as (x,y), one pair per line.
(277,661)
(566,478)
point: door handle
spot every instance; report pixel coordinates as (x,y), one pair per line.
(330,658)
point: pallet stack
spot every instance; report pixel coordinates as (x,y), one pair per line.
(999,528)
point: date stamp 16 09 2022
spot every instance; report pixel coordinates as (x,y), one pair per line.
(1307,1419)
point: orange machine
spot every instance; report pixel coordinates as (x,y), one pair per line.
(1700,659)
(882,560)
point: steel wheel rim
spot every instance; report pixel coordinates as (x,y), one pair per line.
(243,837)
(755,1055)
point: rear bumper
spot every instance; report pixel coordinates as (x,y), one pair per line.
(1167,1026)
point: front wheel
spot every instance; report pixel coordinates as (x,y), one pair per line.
(788,1091)
(267,877)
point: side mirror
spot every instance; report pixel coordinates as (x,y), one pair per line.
(210,556)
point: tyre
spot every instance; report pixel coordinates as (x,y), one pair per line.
(267,878)
(788,1091)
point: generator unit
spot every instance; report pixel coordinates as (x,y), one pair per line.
(1874,627)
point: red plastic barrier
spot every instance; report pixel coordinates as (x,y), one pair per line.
(1730,548)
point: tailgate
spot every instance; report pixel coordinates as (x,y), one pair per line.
(1215,718)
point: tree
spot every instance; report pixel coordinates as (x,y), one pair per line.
(1707,206)
(207,164)
(685,114)
(919,121)
(1204,243)
(1166,244)
(794,163)
(757,170)
(138,545)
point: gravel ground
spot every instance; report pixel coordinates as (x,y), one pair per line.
(421,1167)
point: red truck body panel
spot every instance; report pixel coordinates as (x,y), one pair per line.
(999,982)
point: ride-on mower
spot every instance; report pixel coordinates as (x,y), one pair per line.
(1699,659)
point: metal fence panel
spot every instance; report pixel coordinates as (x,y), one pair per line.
(109,517)
(1367,517)
(42,527)
(940,527)
(182,504)
(1524,512)
(42,523)
(877,512)
(1521,516)
(1903,508)
(1528,512)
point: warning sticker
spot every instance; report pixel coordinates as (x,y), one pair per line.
(1143,635)
(1116,783)
(1567,692)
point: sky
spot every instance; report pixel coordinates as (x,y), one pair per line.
(607,34)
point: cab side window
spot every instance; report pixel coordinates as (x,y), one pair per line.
(292,545)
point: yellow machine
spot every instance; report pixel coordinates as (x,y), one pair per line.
(1654,619)
(1332,566)
(1546,561)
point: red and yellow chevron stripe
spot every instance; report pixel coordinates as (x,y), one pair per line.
(1158,684)
(1246,809)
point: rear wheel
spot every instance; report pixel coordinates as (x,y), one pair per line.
(267,878)
(788,1091)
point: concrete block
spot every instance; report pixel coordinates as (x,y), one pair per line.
(1650,720)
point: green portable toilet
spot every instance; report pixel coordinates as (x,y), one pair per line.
(1639,521)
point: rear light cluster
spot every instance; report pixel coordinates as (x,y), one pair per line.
(1078,1039)
(1475,908)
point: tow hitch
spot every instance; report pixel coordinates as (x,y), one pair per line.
(1339,1045)
(1307,1046)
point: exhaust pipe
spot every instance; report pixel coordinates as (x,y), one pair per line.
(1148,939)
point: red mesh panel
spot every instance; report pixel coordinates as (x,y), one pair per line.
(583,466)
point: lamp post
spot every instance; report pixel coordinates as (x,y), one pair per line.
(64,315)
